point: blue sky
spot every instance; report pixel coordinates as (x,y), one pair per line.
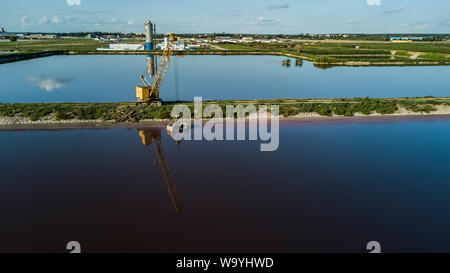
(236,16)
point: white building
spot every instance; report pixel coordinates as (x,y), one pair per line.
(200,46)
(123,47)
(49,36)
(178,45)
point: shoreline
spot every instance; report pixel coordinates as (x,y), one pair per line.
(91,125)
(67,115)
(18,57)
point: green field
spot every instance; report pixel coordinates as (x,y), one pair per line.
(340,53)
(50,45)
(320,52)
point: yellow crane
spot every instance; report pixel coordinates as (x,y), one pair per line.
(149,92)
(153,136)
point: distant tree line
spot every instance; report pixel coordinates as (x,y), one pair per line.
(304,36)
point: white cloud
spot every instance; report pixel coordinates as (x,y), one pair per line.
(56,20)
(280,6)
(422,26)
(374,2)
(233,13)
(48,84)
(24,20)
(400,9)
(118,22)
(73,2)
(266,21)
(43,20)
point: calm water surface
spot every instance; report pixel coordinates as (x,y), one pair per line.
(329,188)
(113,78)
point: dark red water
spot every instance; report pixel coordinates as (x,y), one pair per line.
(329,188)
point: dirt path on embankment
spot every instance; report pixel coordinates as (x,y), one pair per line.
(415,56)
(311,119)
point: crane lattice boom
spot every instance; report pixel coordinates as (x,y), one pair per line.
(150,91)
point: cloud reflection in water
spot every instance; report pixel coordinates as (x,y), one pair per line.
(48,83)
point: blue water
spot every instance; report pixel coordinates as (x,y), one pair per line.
(113,78)
(331,187)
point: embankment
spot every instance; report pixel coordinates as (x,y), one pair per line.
(64,114)
(15,57)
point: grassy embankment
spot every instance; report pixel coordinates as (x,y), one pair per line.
(322,53)
(24,50)
(325,53)
(37,46)
(121,112)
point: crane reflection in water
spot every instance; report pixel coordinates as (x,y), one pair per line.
(152,137)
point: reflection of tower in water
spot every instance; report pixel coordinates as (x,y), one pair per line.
(152,136)
(152,63)
(177,95)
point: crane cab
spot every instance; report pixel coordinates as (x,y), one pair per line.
(144,95)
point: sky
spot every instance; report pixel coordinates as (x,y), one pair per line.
(231,16)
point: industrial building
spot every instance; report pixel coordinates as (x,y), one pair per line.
(41,36)
(149,42)
(177,46)
(150,30)
(405,39)
(123,47)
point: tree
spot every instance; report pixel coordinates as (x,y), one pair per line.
(13,38)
